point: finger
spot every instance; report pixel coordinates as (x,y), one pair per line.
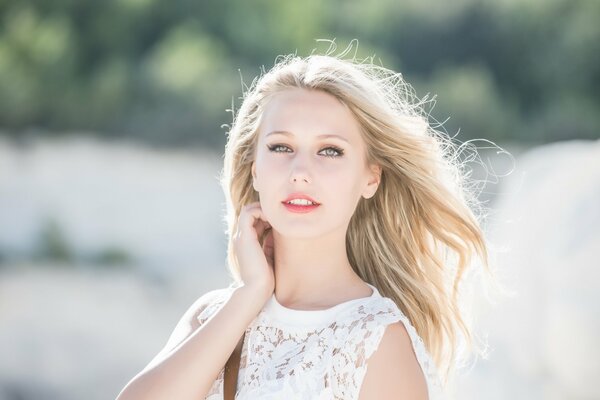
(259,217)
(254,219)
(254,204)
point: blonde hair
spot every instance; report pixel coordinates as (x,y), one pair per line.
(400,240)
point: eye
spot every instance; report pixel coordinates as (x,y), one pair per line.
(336,149)
(339,151)
(275,146)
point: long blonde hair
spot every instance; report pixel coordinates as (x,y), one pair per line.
(403,239)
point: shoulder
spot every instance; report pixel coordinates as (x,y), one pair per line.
(194,316)
(203,307)
(368,321)
(392,356)
(393,370)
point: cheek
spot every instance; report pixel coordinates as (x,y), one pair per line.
(271,182)
(344,178)
(270,171)
(343,187)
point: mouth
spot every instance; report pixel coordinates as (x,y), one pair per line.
(300,208)
(301,198)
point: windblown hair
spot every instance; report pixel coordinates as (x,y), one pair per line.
(404,240)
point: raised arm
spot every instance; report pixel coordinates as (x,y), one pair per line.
(195,354)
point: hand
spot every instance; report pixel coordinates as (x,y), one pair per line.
(256,261)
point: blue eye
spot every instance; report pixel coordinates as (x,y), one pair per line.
(339,151)
(275,146)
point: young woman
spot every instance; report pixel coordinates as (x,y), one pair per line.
(342,205)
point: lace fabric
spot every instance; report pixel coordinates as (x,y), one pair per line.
(322,354)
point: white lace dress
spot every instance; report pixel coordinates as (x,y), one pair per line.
(315,355)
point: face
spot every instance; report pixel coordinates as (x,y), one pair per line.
(331,170)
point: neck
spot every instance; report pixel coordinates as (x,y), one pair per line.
(315,272)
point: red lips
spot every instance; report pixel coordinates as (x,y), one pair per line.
(298,195)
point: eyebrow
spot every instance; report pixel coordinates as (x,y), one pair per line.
(326,136)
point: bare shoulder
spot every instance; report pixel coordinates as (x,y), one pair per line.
(199,305)
(393,371)
(187,324)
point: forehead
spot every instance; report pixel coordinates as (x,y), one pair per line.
(314,113)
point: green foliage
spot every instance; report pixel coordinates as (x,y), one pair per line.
(470,103)
(53,245)
(166,72)
(112,257)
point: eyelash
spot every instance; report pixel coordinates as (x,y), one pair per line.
(340,151)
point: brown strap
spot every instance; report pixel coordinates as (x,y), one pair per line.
(231,372)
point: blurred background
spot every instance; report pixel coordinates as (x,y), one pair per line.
(113,120)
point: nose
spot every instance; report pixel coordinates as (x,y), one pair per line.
(305,180)
(299,172)
(299,175)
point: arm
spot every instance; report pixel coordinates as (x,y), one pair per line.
(393,371)
(194,356)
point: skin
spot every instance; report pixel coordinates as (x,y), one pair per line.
(311,266)
(306,255)
(308,251)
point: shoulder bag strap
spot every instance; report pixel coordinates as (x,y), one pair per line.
(231,372)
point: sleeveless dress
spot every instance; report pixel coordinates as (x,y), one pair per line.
(314,354)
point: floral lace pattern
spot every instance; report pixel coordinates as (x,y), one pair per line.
(324,361)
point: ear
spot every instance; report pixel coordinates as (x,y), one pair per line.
(373,182)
